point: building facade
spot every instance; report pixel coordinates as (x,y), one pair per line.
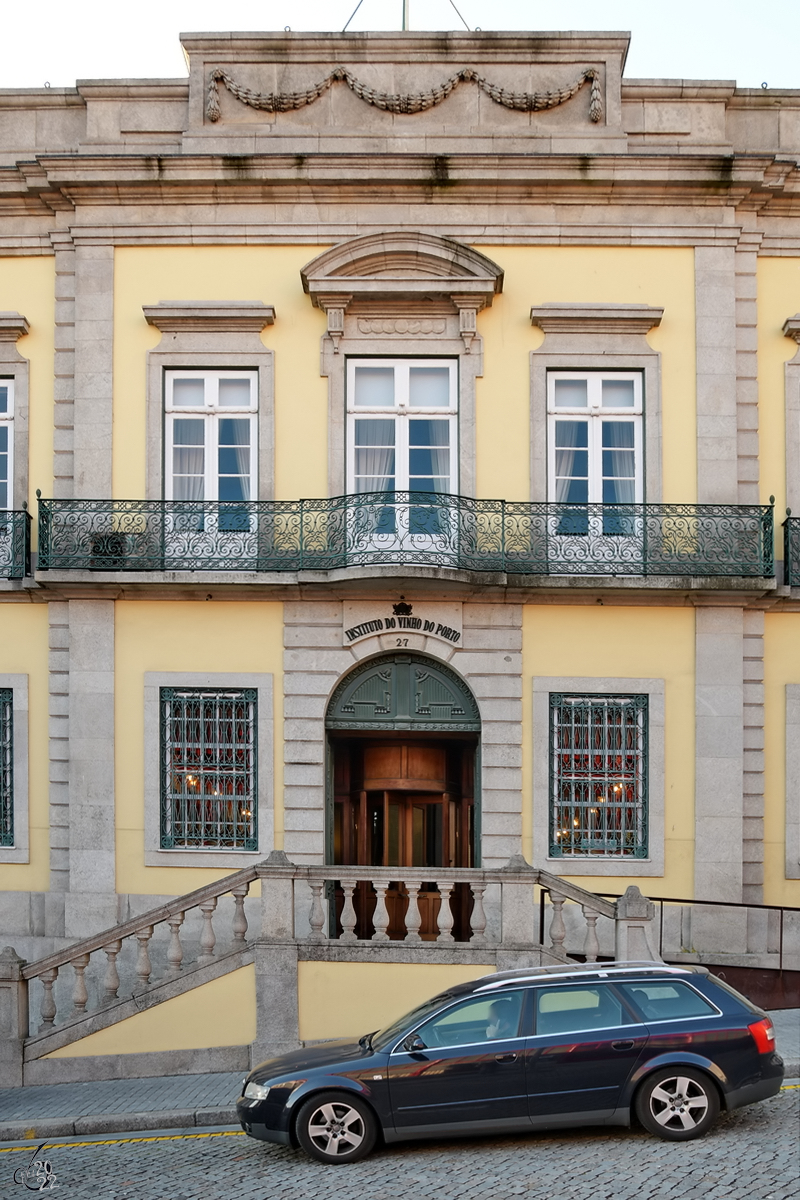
(403,426)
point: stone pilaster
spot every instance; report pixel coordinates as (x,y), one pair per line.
(747,367)
(64,366)
(58,712)
(94,347)
(491,663)
(314,660)
(91,900)
(719,762)
(715,320)
(753,751)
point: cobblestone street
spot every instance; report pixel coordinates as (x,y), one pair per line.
(750,1155)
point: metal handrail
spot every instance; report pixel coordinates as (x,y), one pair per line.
(662,900)
(408,528)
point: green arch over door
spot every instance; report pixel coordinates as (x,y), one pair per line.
(404,691)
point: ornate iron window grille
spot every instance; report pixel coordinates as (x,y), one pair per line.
(208,768)
(15,544)
(6,767)
(425,528)
(598,776)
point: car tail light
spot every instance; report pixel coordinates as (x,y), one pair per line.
(763,1035)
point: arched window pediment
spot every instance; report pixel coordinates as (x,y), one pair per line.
(400,266)
(404,692)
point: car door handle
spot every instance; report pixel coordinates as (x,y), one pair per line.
(504,1058)
(628,1045)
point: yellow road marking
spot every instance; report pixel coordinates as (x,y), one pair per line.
(162,1137)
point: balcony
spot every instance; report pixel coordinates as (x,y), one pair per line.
(791,550)
(407,529)
(15,544)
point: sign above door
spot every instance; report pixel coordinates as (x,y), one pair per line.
(401,619)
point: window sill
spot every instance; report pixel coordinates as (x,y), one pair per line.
(603,866)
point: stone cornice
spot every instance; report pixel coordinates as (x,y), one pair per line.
(596,318)
(204,316)
(410,46)
(13,326)
(648,173)
(791,328)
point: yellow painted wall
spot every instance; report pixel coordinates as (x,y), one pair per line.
(23,651)
(147,275)
(187,636)
(781,666)
(347,999)
(660,276)
(626,642)
(534,275)
(778,298)
(220,1013)
(27,286)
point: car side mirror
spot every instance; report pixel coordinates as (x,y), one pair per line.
(413,1043)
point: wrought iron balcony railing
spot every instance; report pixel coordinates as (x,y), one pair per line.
(15,544)
(407,528)
(791,550)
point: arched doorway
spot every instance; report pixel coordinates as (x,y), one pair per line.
(404,741)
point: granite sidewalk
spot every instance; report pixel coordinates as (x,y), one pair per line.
(186,1101)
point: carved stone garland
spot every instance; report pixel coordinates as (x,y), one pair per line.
(414,102)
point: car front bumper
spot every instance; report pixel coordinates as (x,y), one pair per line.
(251,1118)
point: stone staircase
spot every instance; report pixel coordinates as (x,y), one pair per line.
(307,914)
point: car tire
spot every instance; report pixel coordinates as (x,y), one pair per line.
(677,1104)
(334,1127)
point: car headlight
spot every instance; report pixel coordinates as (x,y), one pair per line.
(256,1091)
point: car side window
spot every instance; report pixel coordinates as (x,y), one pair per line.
(480,1019)
(667,1001)
(578,1009)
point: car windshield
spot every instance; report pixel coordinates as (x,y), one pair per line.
(409,1022)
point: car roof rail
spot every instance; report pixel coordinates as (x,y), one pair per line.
(567,970)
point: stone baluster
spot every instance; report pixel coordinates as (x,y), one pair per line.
(445,915)
(381,917)
(80,996)
(175,951)
(348,914)
(478,918)
(558,930)
(208,938)
(413,917)
(111,980)
(48,1009)
(144,968)
(316,917)
(239,919)
(591,945)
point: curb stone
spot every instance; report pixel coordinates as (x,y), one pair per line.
(173,1118)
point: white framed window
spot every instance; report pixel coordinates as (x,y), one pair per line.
(6,443)
(402,425)
(594,450)
(211,435)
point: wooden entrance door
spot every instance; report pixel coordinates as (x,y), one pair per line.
(405,802)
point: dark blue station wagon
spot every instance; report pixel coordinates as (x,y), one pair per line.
(544,1048)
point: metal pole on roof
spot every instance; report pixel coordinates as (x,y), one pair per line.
(406,24)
